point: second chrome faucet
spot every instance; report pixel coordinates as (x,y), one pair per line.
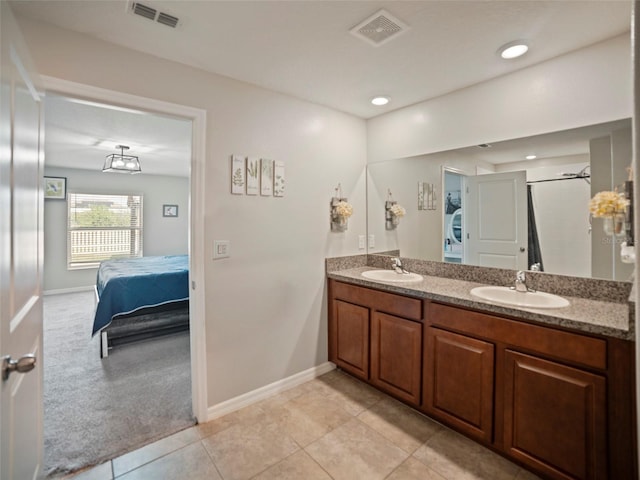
(521,283)
(396,265)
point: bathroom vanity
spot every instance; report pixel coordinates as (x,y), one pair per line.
(544,388)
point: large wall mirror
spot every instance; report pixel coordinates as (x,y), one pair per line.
(499,191)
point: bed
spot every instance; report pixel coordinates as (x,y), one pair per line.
(141,297)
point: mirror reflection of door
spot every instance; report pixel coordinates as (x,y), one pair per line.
(496,226)
(453,246)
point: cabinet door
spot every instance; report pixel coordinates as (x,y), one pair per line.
(350,338)
(555,417)
(396,356)
(458,382)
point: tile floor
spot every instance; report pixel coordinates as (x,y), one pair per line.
(333,427)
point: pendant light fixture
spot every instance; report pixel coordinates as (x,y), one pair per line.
(121,163)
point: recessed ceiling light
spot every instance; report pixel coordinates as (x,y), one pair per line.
(380,100)
(513,49)
(531,157)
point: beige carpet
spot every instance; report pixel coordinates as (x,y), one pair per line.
(96,409)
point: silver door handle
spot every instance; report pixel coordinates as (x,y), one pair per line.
(24,364)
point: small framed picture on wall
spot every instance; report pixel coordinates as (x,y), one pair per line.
(170,210)
(55,188)
(266,177)
(238,174)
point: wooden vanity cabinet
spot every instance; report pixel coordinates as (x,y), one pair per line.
(396,356)
(554,417)
(558,397)
(350,339)
(459,379)
(377,336)
(557,401)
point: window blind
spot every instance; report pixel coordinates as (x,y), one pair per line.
(102,227)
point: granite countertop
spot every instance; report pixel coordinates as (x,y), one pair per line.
(584,315)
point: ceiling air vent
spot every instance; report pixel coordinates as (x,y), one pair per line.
(379,28)
(168,20)
(144,11)
(154,15)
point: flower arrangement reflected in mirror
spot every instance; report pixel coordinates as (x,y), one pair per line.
(397,211)
(610,206)
(393,212)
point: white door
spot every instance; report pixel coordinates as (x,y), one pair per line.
(21,412)
(496,220)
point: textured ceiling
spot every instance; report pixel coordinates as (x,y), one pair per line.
(304,49)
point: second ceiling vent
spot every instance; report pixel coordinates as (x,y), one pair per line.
(379,28)
(153,14)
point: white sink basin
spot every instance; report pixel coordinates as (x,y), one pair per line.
(391,276)
(506,296)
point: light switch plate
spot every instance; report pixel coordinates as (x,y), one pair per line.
(221,249)
(361,242)
(372,241)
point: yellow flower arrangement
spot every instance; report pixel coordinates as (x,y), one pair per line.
(397,210)
(344,209)
(607,204)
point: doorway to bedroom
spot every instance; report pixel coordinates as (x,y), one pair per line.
(98,408)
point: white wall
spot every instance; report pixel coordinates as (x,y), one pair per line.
(265,305)
(585,87)
(161,235)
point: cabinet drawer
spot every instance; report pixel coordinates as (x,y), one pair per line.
(569,347)
(410,308)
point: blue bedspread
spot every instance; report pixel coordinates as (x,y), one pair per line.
(126,285)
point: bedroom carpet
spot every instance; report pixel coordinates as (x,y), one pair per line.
(96,409)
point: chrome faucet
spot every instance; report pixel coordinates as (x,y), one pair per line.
(521,282)
(396,265)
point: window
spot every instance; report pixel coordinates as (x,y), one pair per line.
(101,227)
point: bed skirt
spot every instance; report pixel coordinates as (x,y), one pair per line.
(145,323)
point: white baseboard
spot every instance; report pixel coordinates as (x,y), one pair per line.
(68,290)
(267,391)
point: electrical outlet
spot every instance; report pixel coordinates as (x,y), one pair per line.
(221,249)
(361,242)
(372,241)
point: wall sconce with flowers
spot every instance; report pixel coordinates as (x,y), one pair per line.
(340,211)
(393,212)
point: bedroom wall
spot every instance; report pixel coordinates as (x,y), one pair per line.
(265,306)
(161,235)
